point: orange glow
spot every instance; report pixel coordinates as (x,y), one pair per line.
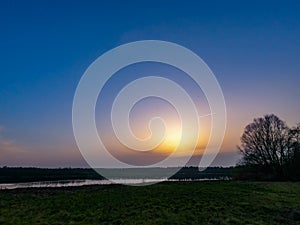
(171,140)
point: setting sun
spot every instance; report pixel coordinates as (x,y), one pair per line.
(172,139)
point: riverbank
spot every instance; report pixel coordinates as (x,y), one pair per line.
(27,174)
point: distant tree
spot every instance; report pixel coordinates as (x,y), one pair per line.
(295,160)
(269,145)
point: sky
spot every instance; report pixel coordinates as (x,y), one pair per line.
(252,47)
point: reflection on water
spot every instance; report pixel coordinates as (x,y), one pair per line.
(78,183)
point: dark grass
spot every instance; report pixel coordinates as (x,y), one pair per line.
(216,202)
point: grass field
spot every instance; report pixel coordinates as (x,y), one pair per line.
(217,202)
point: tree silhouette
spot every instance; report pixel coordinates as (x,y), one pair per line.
(269,144)
(295,145)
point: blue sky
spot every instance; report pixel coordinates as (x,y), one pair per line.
(253,48)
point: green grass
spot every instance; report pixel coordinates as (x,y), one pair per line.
(166,203)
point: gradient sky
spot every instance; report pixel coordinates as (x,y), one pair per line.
(253,48)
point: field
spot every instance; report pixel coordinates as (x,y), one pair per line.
(215,202)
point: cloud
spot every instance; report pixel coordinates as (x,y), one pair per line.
(13,153)
(9,146)
(9,149)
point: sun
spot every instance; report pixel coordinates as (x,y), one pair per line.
(176,143)
(171,140)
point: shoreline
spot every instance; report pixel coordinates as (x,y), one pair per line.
(104,186)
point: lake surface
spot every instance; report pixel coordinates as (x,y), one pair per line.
(78,183)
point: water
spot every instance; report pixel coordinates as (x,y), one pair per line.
(78,183)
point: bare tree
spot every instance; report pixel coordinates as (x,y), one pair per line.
(295,146)
(268,142)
